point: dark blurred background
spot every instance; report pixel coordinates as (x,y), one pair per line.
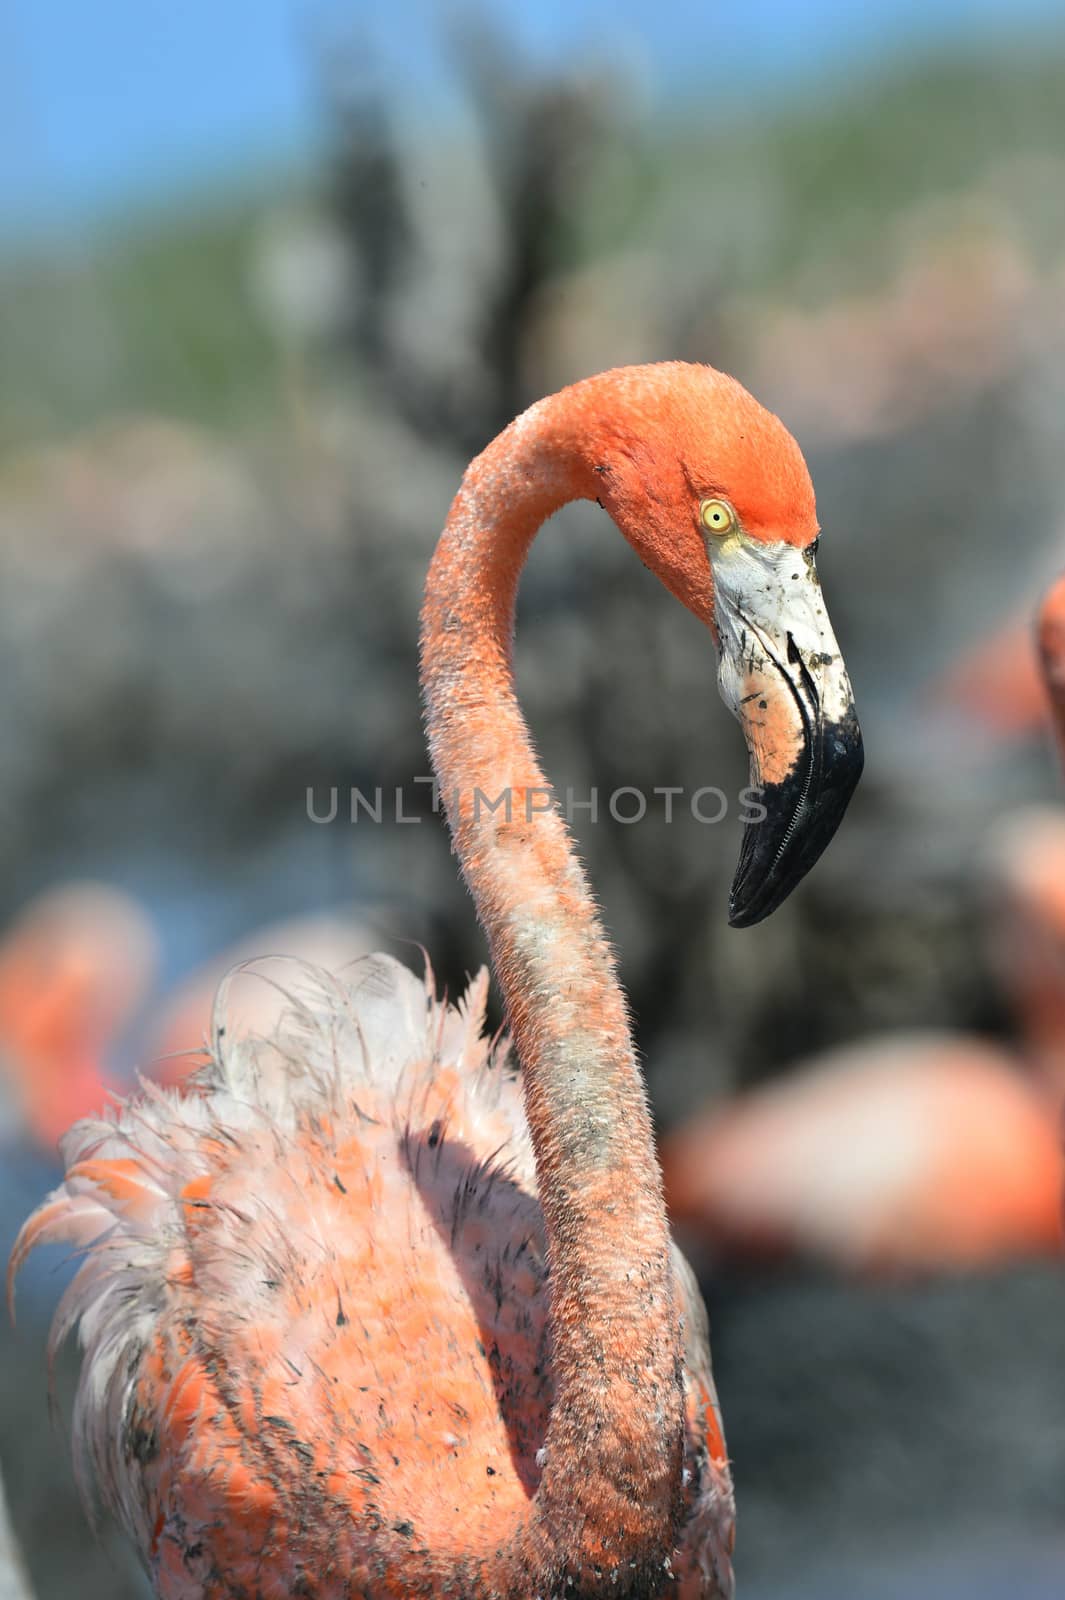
(270,273)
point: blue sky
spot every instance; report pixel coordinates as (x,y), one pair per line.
(106,102)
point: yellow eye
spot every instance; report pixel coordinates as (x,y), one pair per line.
(718,516)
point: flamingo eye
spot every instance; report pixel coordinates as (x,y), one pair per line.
(718,516)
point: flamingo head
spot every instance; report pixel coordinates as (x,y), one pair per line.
(713,493)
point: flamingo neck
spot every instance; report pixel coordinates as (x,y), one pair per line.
(608,1498)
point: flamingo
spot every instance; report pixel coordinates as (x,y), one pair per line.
(997,684)
(1010,681)
(74,967)
(1050,636)
(1027,871)
(893,1156)
(368,1311)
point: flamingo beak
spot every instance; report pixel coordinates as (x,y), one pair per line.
(781,674)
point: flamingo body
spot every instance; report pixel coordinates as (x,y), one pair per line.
(898,1155)
(315,1320)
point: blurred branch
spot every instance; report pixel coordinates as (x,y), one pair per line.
(537,140)
(366,196)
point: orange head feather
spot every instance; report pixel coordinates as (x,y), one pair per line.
(679,435)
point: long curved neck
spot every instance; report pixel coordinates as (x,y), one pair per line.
(609,1494)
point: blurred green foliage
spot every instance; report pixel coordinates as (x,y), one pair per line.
(808,195)
(156,316)
(802,198)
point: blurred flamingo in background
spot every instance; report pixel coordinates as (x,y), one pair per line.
(74,967)
(1025,872)
(1051,640)
(1013,680)
(180,1041)
(913,1154)
(893,1155)
(364,1311)
(998,683)
(1027,876)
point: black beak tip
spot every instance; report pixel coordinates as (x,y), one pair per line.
(752,900)
(746,914)
(802,814)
